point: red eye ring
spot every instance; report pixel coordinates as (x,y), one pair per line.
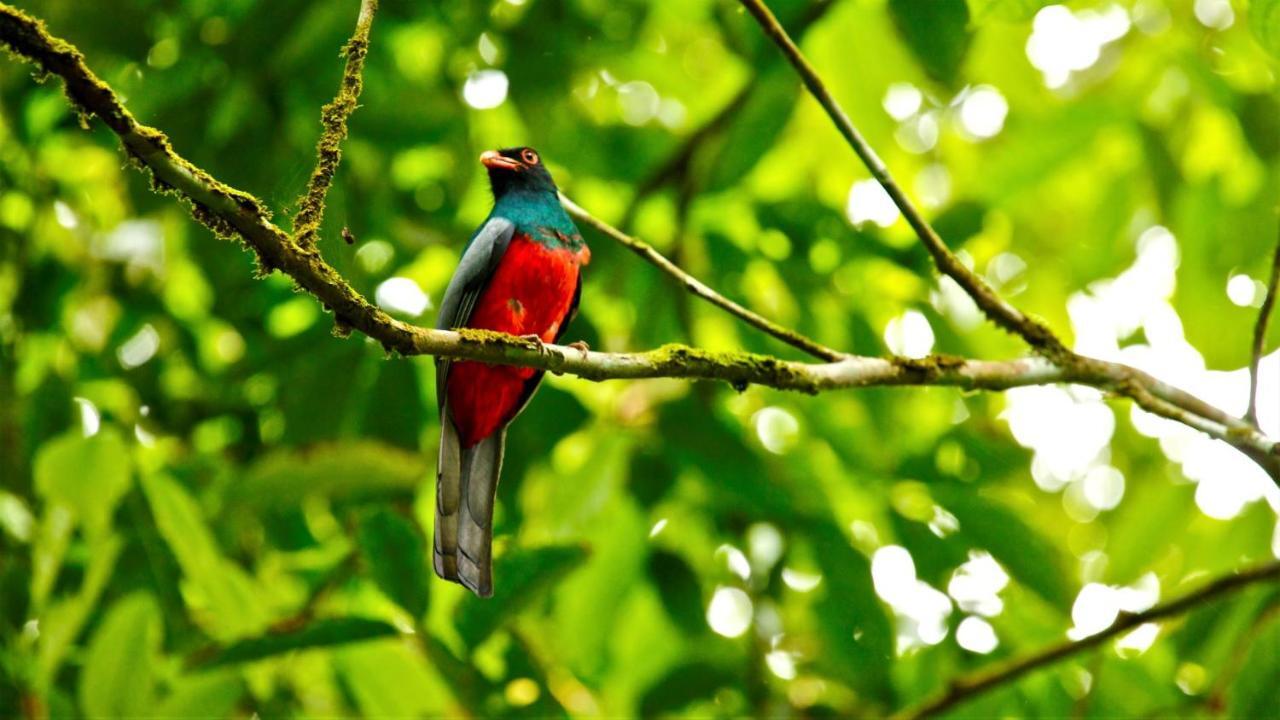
(529,156)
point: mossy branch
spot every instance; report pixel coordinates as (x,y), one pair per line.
(228,211)
(333,118)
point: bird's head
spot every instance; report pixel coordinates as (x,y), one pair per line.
(516,170)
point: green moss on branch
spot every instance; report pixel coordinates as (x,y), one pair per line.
(333,118)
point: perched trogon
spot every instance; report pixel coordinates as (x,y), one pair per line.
(519,274)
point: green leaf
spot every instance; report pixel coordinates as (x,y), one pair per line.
(89,475)
(857,635)
(1134,543)
(1028,556)
(204,695)
(684,684)
(320,633)
(394,411)
(937,33)
(521,578)
(1264,20)
(117,680)
(388,679)
(61,622)
(755,126)
(1255,692)
(335,470)
(393,550)
(223,597)
(679,590)
(1007,10)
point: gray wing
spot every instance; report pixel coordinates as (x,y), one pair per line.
(475,268)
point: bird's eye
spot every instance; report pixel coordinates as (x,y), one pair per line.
(529,157)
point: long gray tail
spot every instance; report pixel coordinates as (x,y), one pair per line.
(466,483)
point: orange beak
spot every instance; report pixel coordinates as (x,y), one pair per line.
(492,160)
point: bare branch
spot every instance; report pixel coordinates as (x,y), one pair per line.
(1260,336)
(333,118)
(968,687)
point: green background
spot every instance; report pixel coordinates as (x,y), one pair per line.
(235,524)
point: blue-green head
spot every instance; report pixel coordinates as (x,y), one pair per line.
(517,170)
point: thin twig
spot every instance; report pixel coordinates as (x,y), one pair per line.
(1146,391)
(968,687)
(1036,333)
(1260,336)
(699,288)
(228,211)
(333,118)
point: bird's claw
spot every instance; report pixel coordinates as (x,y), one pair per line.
(536,341)
(582,347)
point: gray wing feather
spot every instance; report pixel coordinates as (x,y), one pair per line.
(478,262)
(463,532)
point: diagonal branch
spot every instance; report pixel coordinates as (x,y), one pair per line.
(1260,335)
(1036,333)
(697,287)
(333,118)
(969,687)
(228,211)
(1152,395)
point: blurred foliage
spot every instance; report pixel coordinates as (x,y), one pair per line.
(212,507)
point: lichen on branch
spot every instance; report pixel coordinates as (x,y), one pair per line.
(333,120)
(228,211)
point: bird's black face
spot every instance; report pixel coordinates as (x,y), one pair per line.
(516,169)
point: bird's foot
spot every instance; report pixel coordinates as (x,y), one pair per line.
(581,346)
(536,341)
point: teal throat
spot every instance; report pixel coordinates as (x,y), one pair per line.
(539,215)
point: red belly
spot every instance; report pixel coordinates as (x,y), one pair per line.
(529,294)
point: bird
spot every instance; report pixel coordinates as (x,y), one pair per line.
(521,274)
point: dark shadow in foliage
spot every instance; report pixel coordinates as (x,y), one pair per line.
(553,414)
(650,477)
(317,416)
(937,32)
(859,641)
(286,527)
(393,409)
(685,684)
(520,578)
(521,663)
(320,633)
(679,591)
(738,481)
(1029,558)
(934,557)
(755,127)
(341,472)
(394,554)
